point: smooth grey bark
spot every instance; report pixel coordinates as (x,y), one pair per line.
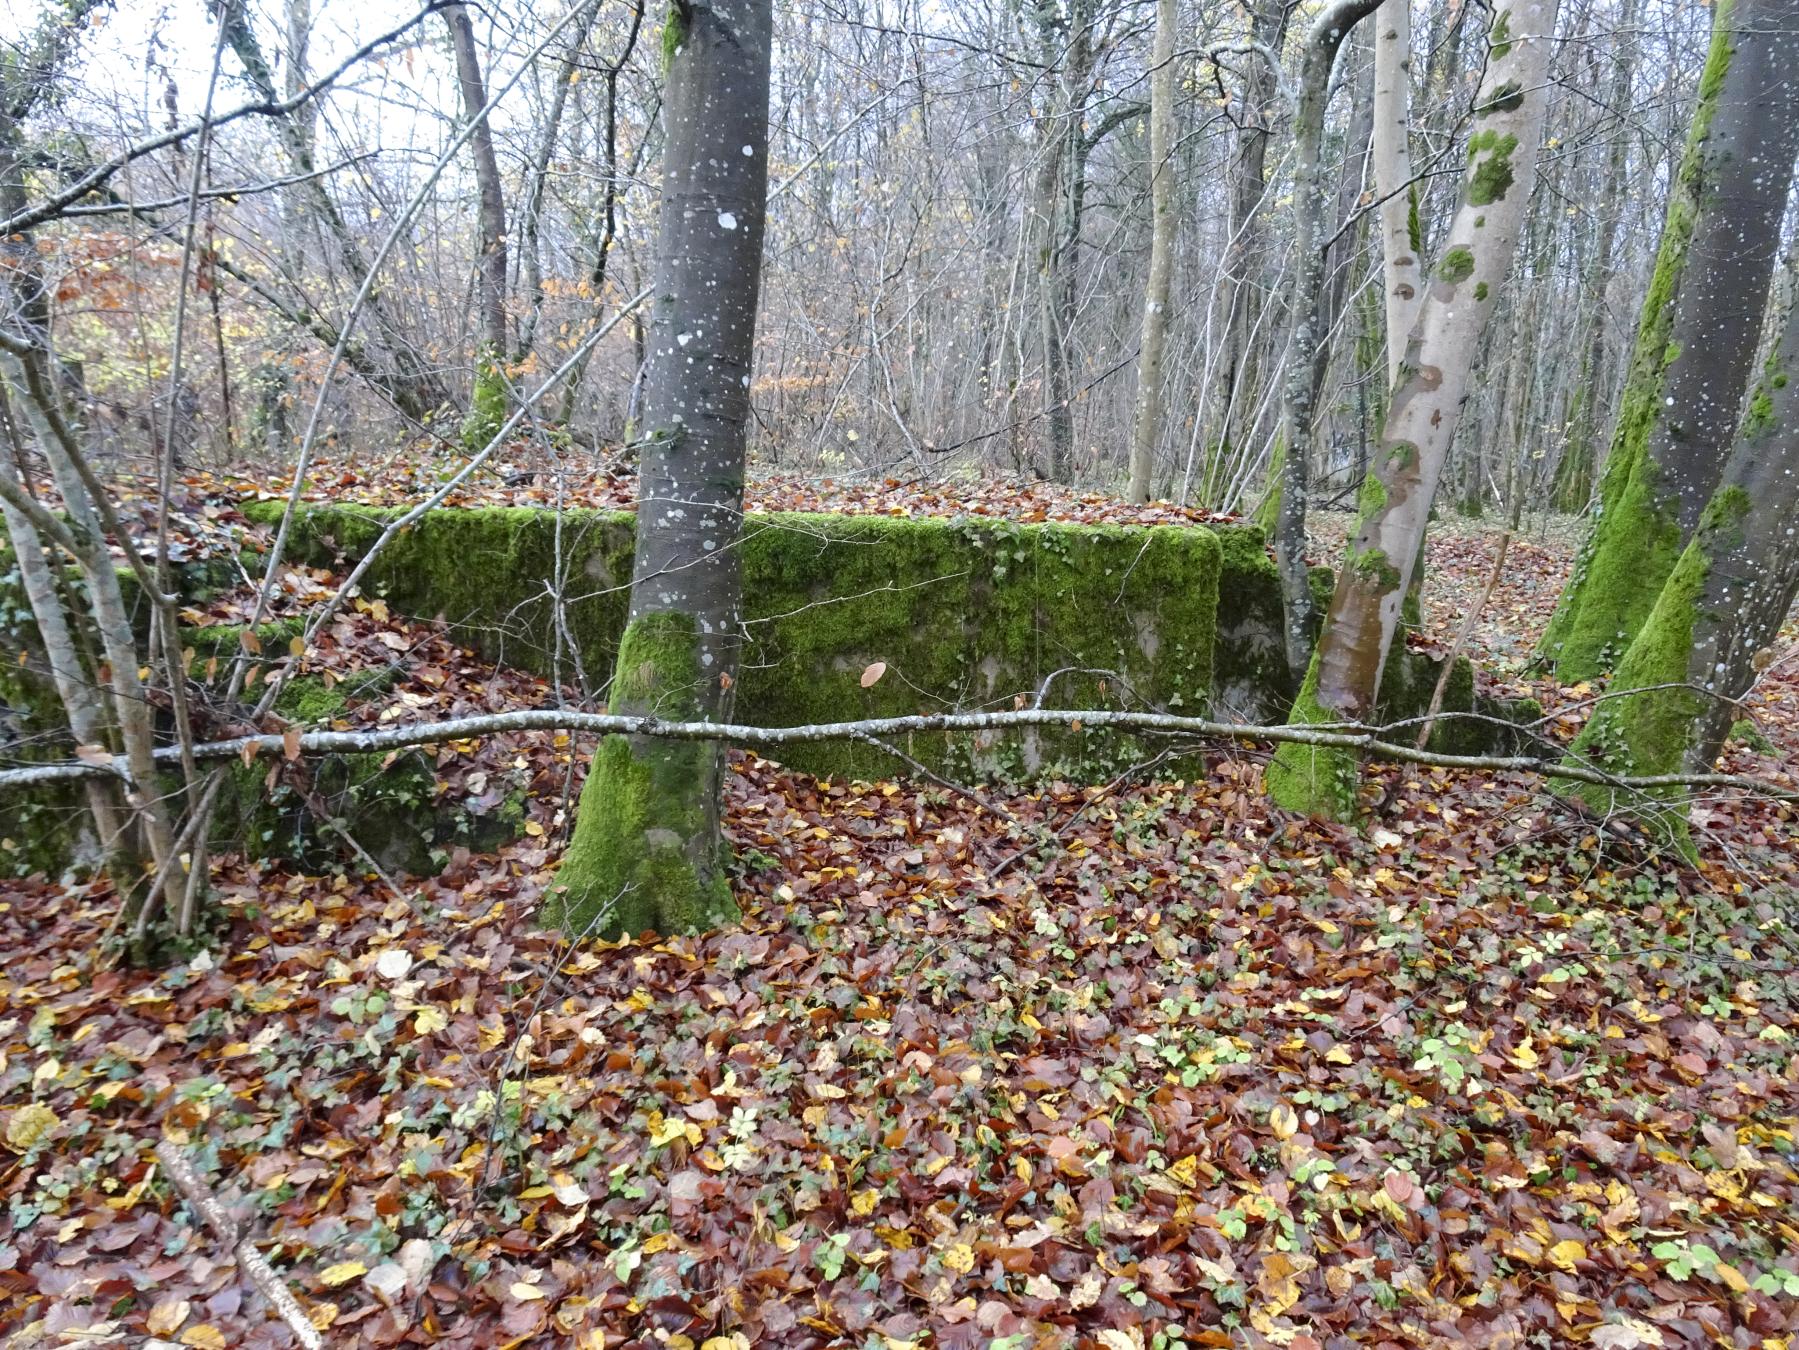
(1675,695)
(1246,247)
(1146,426)
(1719,250)
(492,198)
(1403,287)
(1318,59)
(647,850)
(1580,460)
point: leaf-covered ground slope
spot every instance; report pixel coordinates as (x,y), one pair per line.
(1141,1066)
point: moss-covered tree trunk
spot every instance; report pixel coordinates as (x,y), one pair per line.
(1673,700)
(1696,339)
(1364,613)
(647,851)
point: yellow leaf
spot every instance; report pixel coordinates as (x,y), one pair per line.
(1283,1121)
(735,1341)
(1338,1055)
(525,1293)
(1186,1171)
(429,1019)
(959,1258)
(863,1202)
(204,1337)
(28,1125)
(1525,1056)
(1567,1252)
(342,1273)
(1732,1277)
(167,1316)
(322,1315)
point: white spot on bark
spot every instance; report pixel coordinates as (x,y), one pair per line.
(726,221)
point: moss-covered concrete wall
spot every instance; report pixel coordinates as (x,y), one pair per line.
(963,613)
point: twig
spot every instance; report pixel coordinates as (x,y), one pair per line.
(187,1180)
(1336,735)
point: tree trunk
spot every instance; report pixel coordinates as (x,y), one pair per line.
(1146,427)
(1574,473)
(1322,43)
(647,851)
(75,689)
(1697,337)
(488,400)
(1426,403)
(1402,263)
(1673,700)
(1246,248)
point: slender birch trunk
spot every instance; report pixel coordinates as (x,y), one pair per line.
(1426,403)
(1146,427)
(1696,341)
(1401,248)
(647,851)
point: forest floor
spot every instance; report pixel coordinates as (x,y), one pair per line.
(1144,1066)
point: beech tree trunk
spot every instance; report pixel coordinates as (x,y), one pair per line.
(1320,56)
(488,401)
(1697,336)
(647,851)
(1146,427)
(1673,700)
(1426,403)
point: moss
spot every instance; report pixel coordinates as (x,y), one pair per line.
(1638,728)
(1491,173)
(646,853)
(1635,542)
(1313,780)
(1745,733)
(1414,229)
(963,613)
(1507,97)
(1499,36)
(1457,265)
(674,33)
(1481,290)
(488,402)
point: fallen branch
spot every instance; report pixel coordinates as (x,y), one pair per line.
(1344,735)
(187,1180)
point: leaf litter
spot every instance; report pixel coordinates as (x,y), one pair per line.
(1142,1066)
